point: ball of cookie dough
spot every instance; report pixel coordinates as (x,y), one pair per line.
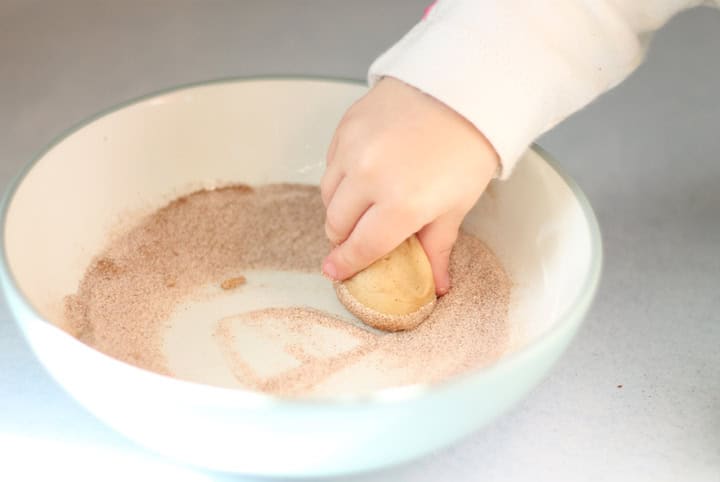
(395,293)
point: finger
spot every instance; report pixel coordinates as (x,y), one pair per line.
(332,148)
(438,239)
(347,205)
(330,181)
(379,231)
(333,173)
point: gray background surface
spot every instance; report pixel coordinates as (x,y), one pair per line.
(647,154)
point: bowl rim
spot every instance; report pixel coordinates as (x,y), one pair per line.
(573,315)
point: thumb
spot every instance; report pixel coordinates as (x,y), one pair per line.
(377,233)
(438,239)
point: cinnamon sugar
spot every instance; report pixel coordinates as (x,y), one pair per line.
(127,295)
(312,369)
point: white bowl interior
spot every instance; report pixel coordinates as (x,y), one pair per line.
(103,176)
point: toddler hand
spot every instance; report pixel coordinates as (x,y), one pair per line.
(401,162)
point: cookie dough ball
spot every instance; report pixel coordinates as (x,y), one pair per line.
(395,293)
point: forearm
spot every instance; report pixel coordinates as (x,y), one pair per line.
(514,68)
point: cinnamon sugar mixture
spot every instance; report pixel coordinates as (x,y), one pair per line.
(127,295)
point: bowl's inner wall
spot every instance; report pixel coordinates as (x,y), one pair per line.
(130,162)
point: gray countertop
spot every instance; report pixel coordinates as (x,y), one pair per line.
(637,396)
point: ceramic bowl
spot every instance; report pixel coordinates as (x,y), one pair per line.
(60,211)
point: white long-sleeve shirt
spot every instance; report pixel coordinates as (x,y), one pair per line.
(516,68)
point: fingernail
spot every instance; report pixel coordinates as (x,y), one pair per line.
(443,287)
(329,270)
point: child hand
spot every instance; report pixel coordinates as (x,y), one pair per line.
(401,162)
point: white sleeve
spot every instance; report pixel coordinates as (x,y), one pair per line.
(516,68)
